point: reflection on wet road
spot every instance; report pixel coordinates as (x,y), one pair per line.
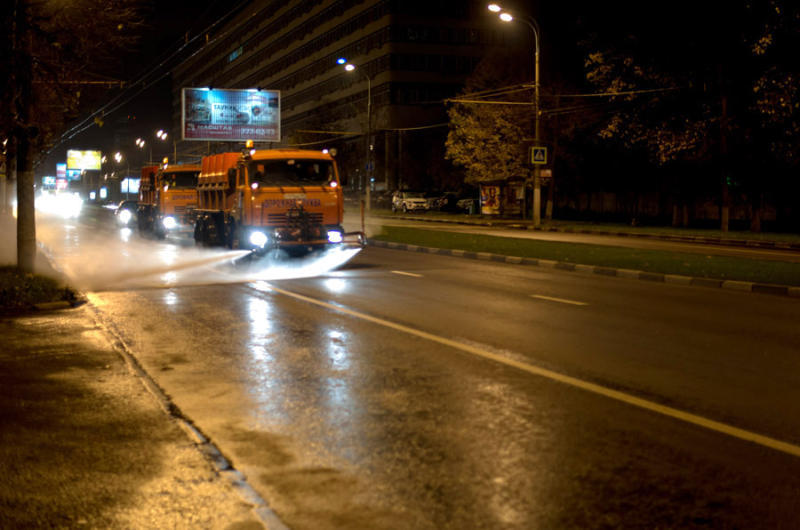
(341,421)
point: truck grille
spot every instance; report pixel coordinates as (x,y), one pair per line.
(279,219)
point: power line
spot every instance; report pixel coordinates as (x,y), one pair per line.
(82,126)
(618,93)
(481,102)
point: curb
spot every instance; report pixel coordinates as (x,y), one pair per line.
(60,304)
(744,243)
(733,285)
(221,464)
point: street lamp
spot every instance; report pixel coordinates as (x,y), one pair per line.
(119,157)
(161,134)
(506,16)
(349,67)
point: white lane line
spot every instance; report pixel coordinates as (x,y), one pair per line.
(560,300)
(629,399)
(407,274)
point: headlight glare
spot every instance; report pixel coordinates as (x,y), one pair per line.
(334,236)
(258,239)
(169,222)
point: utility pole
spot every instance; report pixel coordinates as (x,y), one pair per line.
(22,89)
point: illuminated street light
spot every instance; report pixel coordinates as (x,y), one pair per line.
(505,16)
(349,67)
(118,157)
(161,134)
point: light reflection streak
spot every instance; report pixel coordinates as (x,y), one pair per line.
(170,298)
(337,351)
(335,285)
(259,315)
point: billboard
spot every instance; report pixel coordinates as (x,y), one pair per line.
(61,170)
(82,160)
(490,200)
(230,115)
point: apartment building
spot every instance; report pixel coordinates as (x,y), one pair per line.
(410,55)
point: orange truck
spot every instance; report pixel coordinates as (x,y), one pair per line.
(288,199)
(167,199)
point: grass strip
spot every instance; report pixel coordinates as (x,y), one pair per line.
(607,228)
(686,264)
(20,291)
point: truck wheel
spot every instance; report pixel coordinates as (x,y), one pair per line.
(198,238)
(230,233)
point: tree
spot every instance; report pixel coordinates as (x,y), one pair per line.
(777,86)
(682,85)
(53,44)
(491,120)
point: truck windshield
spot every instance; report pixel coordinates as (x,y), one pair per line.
(291,172)
(180,180)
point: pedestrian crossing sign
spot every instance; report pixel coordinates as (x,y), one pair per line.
(538,155)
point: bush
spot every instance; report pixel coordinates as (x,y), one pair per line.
(20,291)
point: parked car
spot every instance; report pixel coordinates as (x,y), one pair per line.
(434,200)
(468,205)
(409,201)
(449,203)
(126,212)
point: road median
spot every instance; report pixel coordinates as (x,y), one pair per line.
(742,274)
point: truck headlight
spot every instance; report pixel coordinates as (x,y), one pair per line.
(169,222)
(258,239)
(334,236)
(125,216)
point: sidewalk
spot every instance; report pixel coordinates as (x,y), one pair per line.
(85,444)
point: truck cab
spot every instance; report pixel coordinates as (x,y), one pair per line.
(277,198)
(169,199)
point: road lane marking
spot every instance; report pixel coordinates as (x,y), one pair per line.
(407,274)
(560,300)
(629,399)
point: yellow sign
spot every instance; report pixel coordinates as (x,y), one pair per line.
(84,160)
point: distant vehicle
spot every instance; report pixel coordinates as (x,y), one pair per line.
(126,212)
(409,201)
(167,199)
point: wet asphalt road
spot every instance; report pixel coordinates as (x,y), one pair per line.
(411,390)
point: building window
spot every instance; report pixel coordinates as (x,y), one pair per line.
(235,54)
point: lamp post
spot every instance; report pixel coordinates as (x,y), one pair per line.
(119,158)
(140,143)
(368,170)
(505,16)
(161,134)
